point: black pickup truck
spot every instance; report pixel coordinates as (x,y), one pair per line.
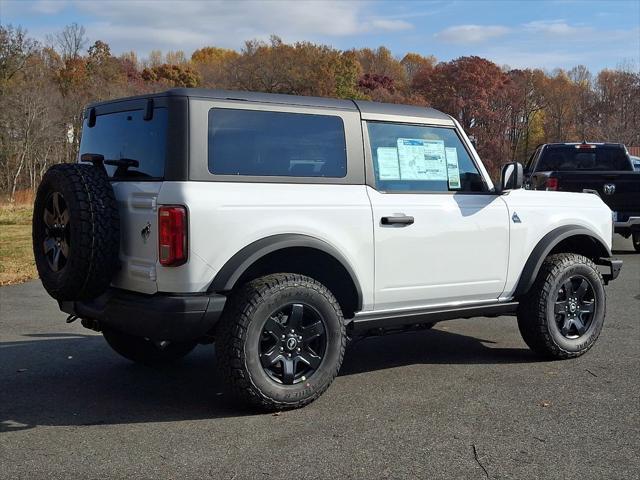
(602,168)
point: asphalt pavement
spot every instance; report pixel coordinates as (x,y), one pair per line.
(464,400)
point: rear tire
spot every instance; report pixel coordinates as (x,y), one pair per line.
(145,351)
(280,341)
(76,231)
(563,313)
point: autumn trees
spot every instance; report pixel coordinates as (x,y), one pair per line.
(507,111)
(616,109)
(302,68)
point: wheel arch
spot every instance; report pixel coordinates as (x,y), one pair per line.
(293,253)
(566,239)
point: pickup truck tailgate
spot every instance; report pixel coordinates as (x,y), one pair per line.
(619,190)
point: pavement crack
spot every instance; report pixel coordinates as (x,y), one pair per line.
(475,455)
(589,371)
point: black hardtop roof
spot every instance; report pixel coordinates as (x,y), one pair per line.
(284,99)
(380,108)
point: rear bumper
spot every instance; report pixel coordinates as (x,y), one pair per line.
(159,316)
(632,223)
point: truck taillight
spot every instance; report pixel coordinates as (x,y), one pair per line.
(172,235)
(552,183)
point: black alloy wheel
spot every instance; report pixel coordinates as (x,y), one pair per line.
(56,241)
(575,306)
(292,344)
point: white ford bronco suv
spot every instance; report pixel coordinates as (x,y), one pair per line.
(279,226)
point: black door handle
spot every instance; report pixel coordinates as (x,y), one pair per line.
(400,220)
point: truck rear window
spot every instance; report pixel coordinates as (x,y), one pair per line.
(260,143)
(572,157)
(126,135)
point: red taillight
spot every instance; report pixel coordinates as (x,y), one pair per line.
(172,235)
(552,183)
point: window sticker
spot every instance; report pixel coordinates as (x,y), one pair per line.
(453,168)
(388,166)
(422,159)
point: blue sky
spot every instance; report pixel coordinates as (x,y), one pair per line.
(546,34)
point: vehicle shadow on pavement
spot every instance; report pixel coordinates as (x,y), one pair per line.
(428,347)
(76,380)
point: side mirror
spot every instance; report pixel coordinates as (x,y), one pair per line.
(511,176)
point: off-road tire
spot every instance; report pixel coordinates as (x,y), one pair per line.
(145,351)
(239,331)
(93,231)
(536,317)
(635,239)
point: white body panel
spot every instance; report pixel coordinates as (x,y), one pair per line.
(455,251)
(461,248)
(226,217)
(541,212)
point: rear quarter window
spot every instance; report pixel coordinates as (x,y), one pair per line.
(261,143)
(126,135)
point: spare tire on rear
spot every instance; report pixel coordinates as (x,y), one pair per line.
(76,231)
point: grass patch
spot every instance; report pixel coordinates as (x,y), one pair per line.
(16,257)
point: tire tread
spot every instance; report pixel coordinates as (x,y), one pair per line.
(532,312)
(233,327)
(94,256)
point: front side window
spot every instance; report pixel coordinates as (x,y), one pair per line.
(416,158)
(128,136)
(259,143)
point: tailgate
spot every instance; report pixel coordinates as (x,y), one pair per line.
(137,204)
(619,190)
(131,138)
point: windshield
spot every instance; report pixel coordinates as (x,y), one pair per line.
(577,157)
(126,135)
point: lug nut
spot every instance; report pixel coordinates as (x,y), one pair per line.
(297,349)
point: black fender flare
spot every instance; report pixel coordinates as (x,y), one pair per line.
(546,245)
(233,269)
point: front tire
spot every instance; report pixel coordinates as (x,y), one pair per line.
(146,351)
(635,238)
(563,313)
(280,341)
